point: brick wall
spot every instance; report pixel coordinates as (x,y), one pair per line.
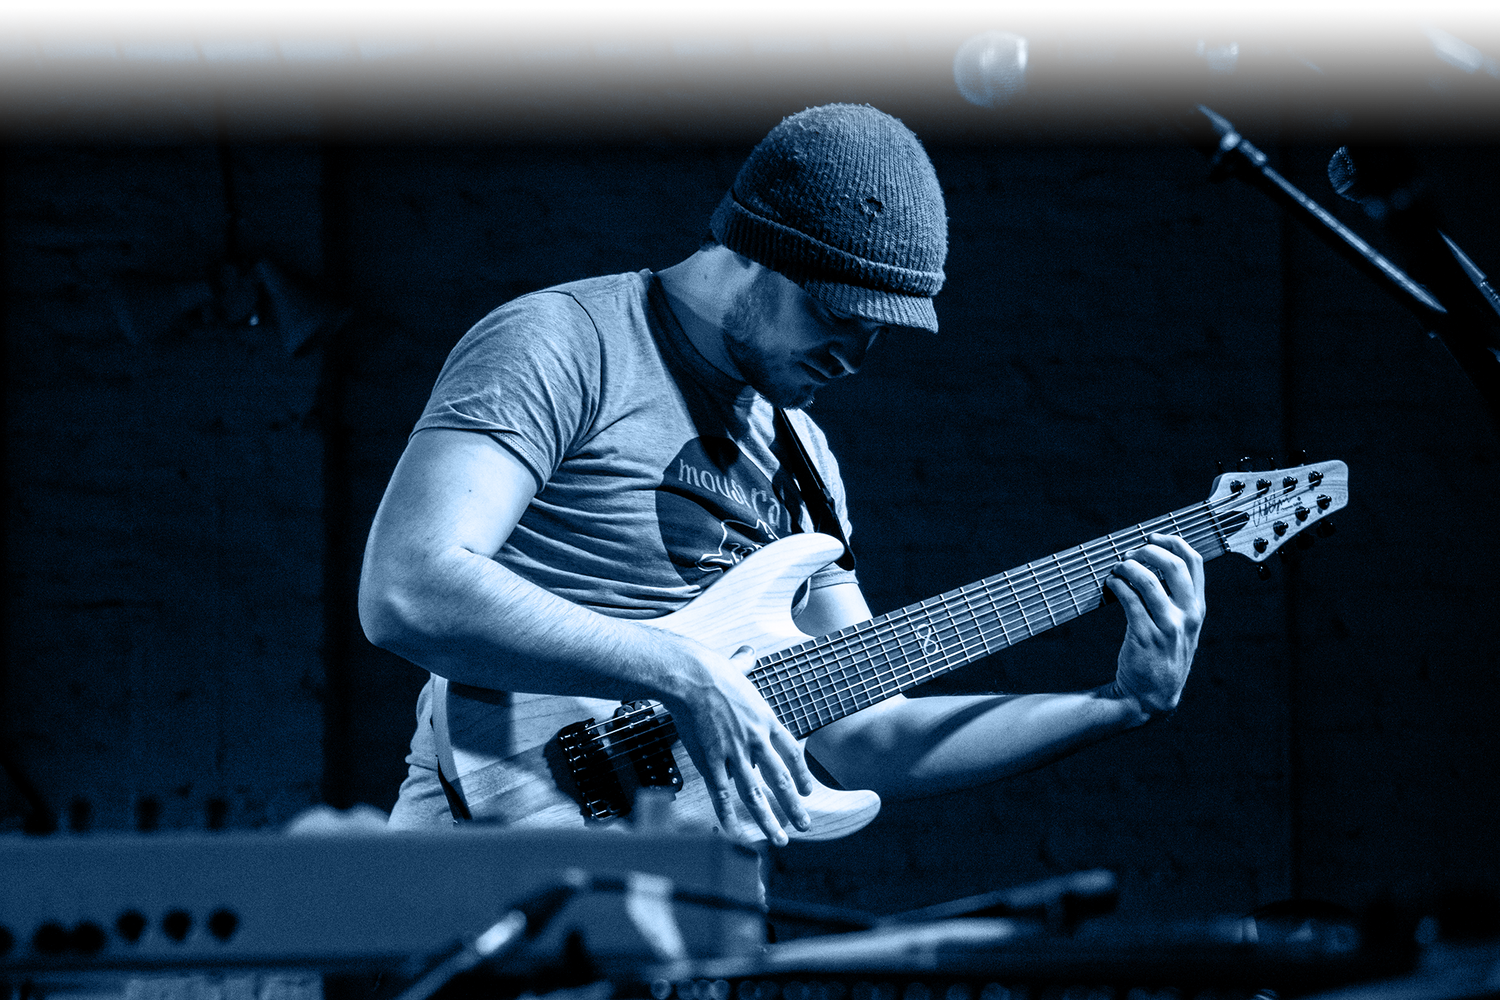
(164,541)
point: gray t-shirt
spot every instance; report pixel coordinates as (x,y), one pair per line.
(656,472)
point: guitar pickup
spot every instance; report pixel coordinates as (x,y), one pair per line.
(650,744)
(609,762)
(598,790)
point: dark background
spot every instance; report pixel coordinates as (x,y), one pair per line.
(195,449)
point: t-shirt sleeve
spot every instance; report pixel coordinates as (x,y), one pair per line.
(527,375)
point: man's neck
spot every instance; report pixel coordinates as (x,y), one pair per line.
(700,291)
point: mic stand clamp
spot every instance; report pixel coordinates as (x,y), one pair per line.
(1477,354)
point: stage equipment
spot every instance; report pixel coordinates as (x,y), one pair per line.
(1019,959)
(1463,318)
(365,900)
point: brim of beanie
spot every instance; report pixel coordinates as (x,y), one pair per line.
(752,236)
(890,308)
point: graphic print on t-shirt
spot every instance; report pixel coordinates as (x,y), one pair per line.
(715,507)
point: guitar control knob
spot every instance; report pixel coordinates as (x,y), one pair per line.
(1260,544)
(51,938)
(176,925)
(222,923)
(131,925)
(88,937)
(1324,501)
(1279,527)
(1302,513)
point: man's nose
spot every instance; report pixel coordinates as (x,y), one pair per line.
(850,353)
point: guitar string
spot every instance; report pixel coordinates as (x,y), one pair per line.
(1202,523)
(812,687)
(955,636)
(968,635)
(638,741)
(785,665)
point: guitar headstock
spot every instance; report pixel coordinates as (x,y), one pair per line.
(1259,511)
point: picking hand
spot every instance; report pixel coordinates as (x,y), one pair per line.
(1160,585)
(739,746)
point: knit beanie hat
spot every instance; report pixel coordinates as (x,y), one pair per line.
(842,200)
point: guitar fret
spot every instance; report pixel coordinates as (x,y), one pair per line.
(1213,523)
(961,630)
(1094,582)
(1031,566)
(1077,610)
(1114,548)
(1020,605)
(1005,638)
(822,695)
(813,690)
(929,638)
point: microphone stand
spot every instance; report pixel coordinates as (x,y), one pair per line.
(1462,331)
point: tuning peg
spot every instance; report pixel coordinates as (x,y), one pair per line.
(1325,528)
(1263,571)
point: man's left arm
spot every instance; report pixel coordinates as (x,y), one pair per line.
(913,747)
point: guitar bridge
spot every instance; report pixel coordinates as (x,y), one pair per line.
(609,762)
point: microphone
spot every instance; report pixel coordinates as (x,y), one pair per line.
(995,69)
(1388,183)
(1343,174)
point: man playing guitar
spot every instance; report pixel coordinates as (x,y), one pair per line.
(598,455)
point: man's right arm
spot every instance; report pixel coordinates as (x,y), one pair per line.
(431,592)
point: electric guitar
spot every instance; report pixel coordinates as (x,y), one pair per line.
(544,760)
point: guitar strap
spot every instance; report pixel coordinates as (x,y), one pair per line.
(443,743)
(814,492)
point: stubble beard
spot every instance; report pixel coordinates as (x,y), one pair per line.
(751,309)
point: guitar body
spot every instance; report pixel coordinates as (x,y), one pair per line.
(513,763)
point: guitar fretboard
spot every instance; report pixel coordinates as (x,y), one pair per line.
(816,682)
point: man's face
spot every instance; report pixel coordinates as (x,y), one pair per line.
(787,345)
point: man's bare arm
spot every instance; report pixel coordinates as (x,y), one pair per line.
(431,592)
(914,747)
